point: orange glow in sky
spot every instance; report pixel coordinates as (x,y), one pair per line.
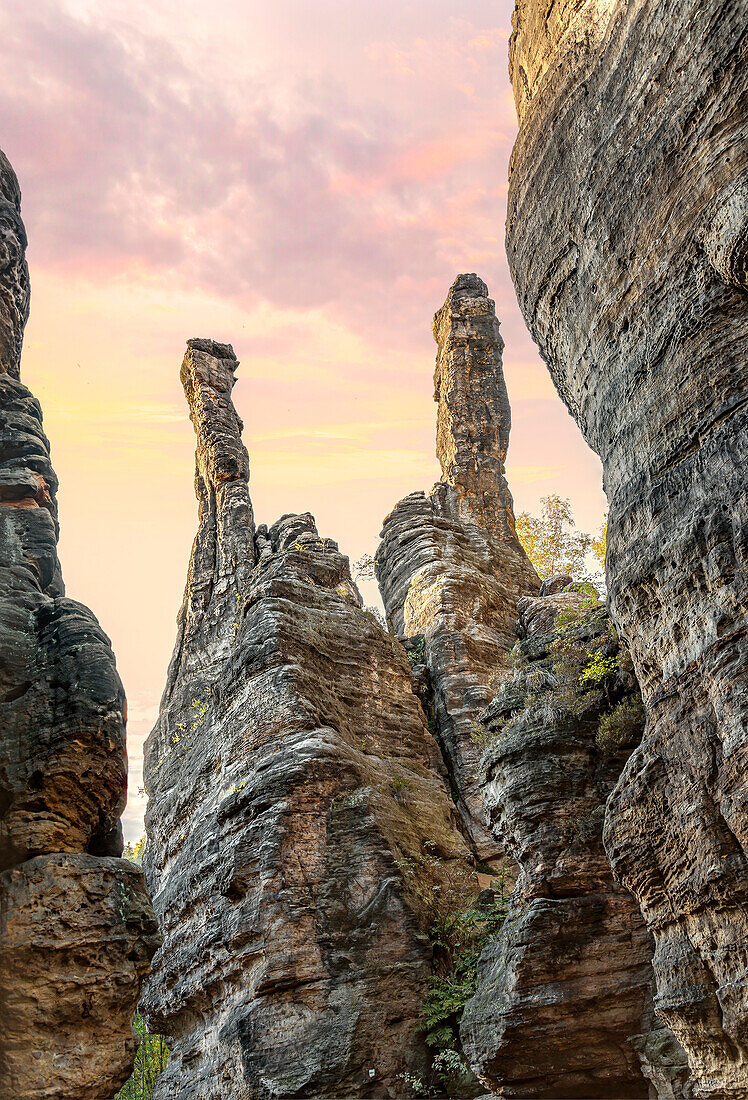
(303,179)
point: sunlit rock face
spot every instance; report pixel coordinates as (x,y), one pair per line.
(298,823)
(450,566)
(76,926)
(563,1006)
(627,241)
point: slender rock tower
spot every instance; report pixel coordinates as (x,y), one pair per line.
(627,237)
(76,927)
(300,833)
(450,566)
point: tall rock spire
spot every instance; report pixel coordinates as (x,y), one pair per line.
(299,828)
(474,417)
(76,926)
(223,553)
(450,566)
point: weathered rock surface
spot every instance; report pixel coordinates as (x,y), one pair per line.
(15,288)
(76,928)
(563,1005)
(627,241)
(450,565)
(298,827)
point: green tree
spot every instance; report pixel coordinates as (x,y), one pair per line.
(552,541)
(135,852)
(149,1062)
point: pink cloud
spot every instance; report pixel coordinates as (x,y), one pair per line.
(314,192)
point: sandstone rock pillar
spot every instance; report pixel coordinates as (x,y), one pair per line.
(563,1006)
(299,830)
(76,927)
(450,566)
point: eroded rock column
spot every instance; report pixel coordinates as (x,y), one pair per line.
(627,241)
(563,1006)
(450,566)
(298,826)
(76,927)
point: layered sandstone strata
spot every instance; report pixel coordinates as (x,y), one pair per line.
(563,1004)
(450,566)
(627,239)
(298,826)
(76,927)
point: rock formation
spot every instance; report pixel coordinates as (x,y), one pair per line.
(450,566)
(563,1006)
(299,829)
(76,926)
(627,237)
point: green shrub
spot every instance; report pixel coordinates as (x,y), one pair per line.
(599,667)
(400,783)
(458,938)
(622,726)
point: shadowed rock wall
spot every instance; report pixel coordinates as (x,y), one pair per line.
(298,826)
(76,927)
(450,566)
(627,239)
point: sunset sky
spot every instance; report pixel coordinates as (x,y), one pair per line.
(303,179)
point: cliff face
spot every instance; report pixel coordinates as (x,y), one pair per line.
(450,566)
(563,1006)
(76,927)
(627,239)
(299,831)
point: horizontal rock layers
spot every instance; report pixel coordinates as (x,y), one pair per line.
(450,566)
(627,239)
(298,826)
(76,927)
(563,1005)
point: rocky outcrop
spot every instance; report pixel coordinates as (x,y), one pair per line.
(299,830)
(627,241)
(15,288)
(563,1004)
(450,566)
(76,927)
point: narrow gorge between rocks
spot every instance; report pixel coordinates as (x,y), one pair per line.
(493,843)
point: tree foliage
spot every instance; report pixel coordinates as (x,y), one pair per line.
(149,1062)
(135,852)
(599,545)
(552,541)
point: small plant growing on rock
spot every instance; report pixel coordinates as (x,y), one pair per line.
(400,783)
(458,935)
(622,726)
(599,667)
(481,735)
